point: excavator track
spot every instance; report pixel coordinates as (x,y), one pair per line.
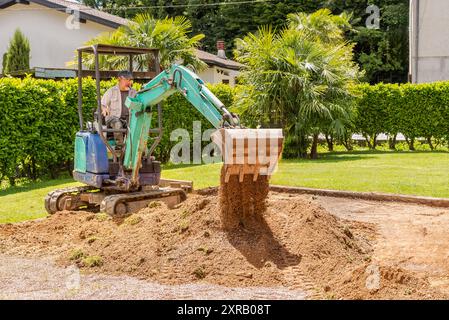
(76,198)
(122,204)
(66,199)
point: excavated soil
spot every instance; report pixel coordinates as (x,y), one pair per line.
(243,203)
(294,243)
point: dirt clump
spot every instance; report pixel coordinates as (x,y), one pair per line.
(292,242)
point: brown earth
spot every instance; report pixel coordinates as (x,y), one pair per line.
(295,243)
(242,204)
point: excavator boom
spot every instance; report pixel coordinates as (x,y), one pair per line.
(241,148)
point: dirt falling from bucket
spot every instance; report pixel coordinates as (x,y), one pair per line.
(242,203)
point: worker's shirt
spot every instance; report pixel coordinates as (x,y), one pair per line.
(125,110)
(112,99)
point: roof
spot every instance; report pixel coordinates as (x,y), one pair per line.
(212,59)
(86,13)
(113,21)
(61,73)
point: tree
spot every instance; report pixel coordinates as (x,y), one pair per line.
(299,77)
(18,54)
(383,52)
(129,8)
(169,35)
(4,61)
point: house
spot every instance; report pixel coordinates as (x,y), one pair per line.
(55,28)
(429,42)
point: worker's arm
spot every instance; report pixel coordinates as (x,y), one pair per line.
(105,103)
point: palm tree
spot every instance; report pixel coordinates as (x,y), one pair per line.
(298,78)
(169,35)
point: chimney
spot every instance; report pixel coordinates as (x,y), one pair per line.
(221,49)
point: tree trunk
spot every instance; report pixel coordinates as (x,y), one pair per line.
(69,168)
(27,170)
(429,141)
(53,172)
(33,169)
(302,145)
(411,143)
(374,142)
(314,149)
(368,141)
(392,142)
(347,144)
(330,142)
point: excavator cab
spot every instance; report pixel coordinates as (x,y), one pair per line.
(97,160)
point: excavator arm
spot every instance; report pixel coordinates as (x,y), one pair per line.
(176,79)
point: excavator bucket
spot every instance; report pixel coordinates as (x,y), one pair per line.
(249,151)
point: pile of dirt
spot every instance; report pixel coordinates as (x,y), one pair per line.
(374,281)
(293,243)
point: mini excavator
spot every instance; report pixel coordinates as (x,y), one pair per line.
(122,181)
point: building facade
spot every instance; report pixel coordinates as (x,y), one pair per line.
(429,40)
(55,28)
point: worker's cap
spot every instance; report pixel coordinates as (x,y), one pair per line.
(125,74)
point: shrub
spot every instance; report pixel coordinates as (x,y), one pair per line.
(416,110)
(92,261)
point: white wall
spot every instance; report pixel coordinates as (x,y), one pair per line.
(52,43)
(429,50)
(216,74)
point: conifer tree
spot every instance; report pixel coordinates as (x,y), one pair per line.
(18,54)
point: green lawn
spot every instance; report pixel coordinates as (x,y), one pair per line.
(27,202)
(418,173)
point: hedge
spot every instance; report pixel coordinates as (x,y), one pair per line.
(415,110)
(39,121)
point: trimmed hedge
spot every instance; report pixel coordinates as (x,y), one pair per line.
(415,110)
(39,121)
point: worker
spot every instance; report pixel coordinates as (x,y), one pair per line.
(113,106)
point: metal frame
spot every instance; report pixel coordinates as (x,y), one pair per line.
(97,50)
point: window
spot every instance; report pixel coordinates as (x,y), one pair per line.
(225,81)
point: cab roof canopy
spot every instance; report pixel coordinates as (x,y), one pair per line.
(116,50)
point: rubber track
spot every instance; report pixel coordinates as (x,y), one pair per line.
(110,202)
(51,200)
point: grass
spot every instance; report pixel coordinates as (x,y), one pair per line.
(76,254)
(92,261)
(418,173)
(26,201)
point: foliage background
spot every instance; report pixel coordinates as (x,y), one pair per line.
(382,52)
(39,119)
